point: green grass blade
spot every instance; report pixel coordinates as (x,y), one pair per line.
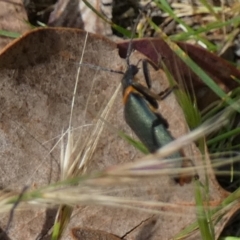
(138,145)
(229,238)
(202,217)
(223,136)
(192,115)
(9,34)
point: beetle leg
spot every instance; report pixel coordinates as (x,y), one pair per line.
(166,92)
(145,63)
(162,95)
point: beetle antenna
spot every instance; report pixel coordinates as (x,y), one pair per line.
(129,50)
(89,65)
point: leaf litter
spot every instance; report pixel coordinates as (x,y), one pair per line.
(37,89)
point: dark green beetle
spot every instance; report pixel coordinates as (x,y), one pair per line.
(140,112)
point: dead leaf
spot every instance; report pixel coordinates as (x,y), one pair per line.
(36,96)
(38,75)
(89,234)
(13,19)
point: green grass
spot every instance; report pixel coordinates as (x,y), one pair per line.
(9,34)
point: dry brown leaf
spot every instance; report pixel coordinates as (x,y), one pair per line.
(13,17)
(89,234)
(38,74)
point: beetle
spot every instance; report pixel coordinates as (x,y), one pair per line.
(141,115)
